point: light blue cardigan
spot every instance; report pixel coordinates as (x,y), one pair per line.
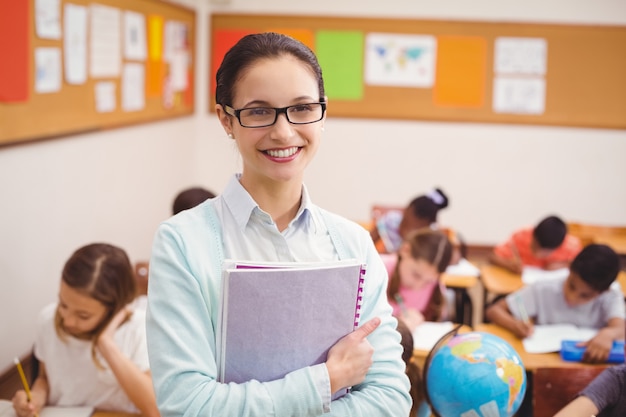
(183,302)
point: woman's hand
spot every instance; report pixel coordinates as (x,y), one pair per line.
(350,358)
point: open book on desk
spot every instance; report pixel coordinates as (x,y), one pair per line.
(6,410)
(277,318)
(428,333)
(547,338)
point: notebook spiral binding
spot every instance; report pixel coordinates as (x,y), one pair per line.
(359,298)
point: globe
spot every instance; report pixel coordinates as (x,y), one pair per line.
(474,374)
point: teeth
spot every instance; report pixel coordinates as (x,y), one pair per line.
(282,153)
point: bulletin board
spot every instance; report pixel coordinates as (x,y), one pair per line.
(154,56)
(465,71)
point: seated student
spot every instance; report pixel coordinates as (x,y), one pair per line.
(415,291)
(605,396)
(420,407)
(91,349)
(394,225)
(546,246)
(585,299)
(189,198)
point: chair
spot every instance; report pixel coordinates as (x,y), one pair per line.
(554,388)
(141,277)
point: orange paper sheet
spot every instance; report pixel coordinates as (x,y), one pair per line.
(305,36)
(222,42)
(461,72)
(14,45)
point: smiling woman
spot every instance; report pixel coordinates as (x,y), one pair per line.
(271,102)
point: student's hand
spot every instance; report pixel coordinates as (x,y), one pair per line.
(350,358)
(107,334)
(523,329)
(412,318)
(24,408)
(598,348)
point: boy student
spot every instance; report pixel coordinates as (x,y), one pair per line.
(584,299)
(546,246)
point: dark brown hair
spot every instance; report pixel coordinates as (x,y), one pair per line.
(435,248)
(413,371)
(252,48)
(102,272)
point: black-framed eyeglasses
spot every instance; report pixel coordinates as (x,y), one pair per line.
(298,114)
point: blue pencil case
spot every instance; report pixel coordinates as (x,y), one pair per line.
(572,353)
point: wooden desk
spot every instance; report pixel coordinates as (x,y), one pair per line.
(617,242)
(531,361)
(463,308)
(499,281)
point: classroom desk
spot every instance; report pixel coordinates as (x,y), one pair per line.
(460,284)
(616,242)
(499,281)
(531,361)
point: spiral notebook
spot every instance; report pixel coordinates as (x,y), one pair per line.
(276,318)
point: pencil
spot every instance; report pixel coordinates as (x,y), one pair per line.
(23,377)
(400,302)
(18,364)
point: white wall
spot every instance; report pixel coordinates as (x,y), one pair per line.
(117,185)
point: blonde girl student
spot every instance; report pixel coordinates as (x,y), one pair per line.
(271,104)
(91,349)
(415,290)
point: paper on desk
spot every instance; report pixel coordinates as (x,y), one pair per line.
(548,337)
(6,410)
(532,274)
(463,268)
(429,332)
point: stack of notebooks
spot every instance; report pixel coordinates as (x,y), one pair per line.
(276,318)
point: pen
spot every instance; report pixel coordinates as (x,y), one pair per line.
(18,364)
(522,310)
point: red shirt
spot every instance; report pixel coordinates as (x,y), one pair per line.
(522,240)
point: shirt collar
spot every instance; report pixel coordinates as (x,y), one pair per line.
(242,205)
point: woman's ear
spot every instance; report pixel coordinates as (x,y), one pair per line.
(224,119)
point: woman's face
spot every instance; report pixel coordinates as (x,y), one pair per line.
(80,314)
(415,273)
(277,153)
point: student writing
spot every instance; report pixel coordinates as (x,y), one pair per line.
(547,245)
(271,103)
(585,299)
(393,226)
(415,290)
(91,349)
